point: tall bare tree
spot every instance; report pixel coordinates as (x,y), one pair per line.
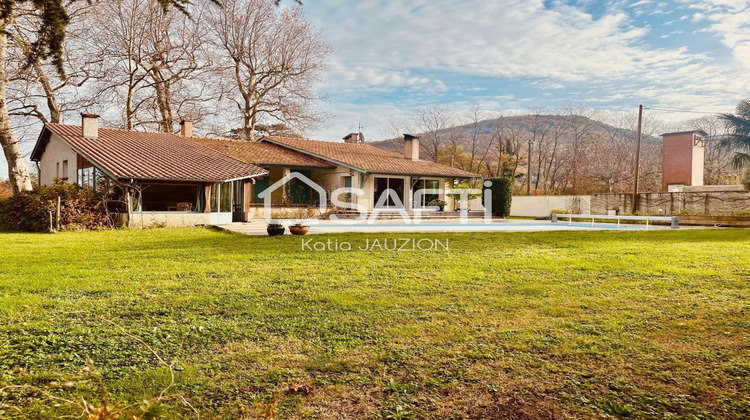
(37,92)
(268,60)
(434,122)
(158,66)
(18,173)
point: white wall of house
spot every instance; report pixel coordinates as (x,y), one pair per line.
(542,205)
(55,156)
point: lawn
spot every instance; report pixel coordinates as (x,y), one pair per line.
(503,325)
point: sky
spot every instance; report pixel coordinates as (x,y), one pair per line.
(392,57)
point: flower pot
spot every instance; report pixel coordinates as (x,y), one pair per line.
(442,208)
(275,230)
(299,230)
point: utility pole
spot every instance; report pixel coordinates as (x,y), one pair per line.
(528,172)
(637,157)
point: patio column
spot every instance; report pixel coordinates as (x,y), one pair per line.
(248,200)
(408,193)
(207,198)
(284,193)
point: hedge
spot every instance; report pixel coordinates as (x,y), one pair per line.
(502,194)
(80,209)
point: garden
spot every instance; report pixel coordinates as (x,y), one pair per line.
(182,323)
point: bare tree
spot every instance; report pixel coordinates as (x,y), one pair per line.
(540,125)
(475,116)
(157,64)
(267,61)
(434,123)
(581,121)
(18,172)
(37,92)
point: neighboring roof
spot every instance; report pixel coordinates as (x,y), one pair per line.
(125,154)
(367,158)
(685,132)
(260,153)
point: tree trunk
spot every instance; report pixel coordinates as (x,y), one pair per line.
(163,100)
(49,94)
(18,173)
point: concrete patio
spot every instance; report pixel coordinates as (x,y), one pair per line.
(473,225)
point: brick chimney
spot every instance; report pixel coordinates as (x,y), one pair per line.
(351,138)
(90,126)
(186,128)
(411,147)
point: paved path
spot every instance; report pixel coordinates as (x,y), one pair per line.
(474,225)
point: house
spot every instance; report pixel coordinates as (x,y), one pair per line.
(335,165)
(165,176)
(159,176)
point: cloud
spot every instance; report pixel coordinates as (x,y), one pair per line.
(424,51)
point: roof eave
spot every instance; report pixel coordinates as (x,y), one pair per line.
(426,174)
(196,180)
(36,150)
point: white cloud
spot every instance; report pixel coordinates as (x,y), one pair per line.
(424,46)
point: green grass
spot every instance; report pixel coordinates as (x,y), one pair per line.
(578,324)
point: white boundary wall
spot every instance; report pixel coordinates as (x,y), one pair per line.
(542,205)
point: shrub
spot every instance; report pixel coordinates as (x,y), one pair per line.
(502,194)
(80,209)
(457,196)
(4,189)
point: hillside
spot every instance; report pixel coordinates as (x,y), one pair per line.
(570,153)
(525,123)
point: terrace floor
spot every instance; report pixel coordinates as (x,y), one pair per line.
(472,225)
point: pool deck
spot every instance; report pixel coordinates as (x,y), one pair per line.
(473,225)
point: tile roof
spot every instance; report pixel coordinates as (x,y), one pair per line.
(141,155)
(260,153)
(368,158)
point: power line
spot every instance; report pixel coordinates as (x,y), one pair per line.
(683,110)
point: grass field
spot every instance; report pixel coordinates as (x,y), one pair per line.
(544,325)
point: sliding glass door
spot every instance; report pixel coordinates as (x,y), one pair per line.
(383,186)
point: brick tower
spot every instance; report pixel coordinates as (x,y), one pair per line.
(682,159)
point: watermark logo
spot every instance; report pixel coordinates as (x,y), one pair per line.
(377,244)
(389,201)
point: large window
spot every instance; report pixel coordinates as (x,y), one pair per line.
(171,197)
(425,184)
(214,197)
(260,185)
(225,198)
(385,189)
(221,197)
(300,192)
(87,177)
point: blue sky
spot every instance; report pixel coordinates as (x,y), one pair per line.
(394,56)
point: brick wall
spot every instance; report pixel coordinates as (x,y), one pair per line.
(715,203)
